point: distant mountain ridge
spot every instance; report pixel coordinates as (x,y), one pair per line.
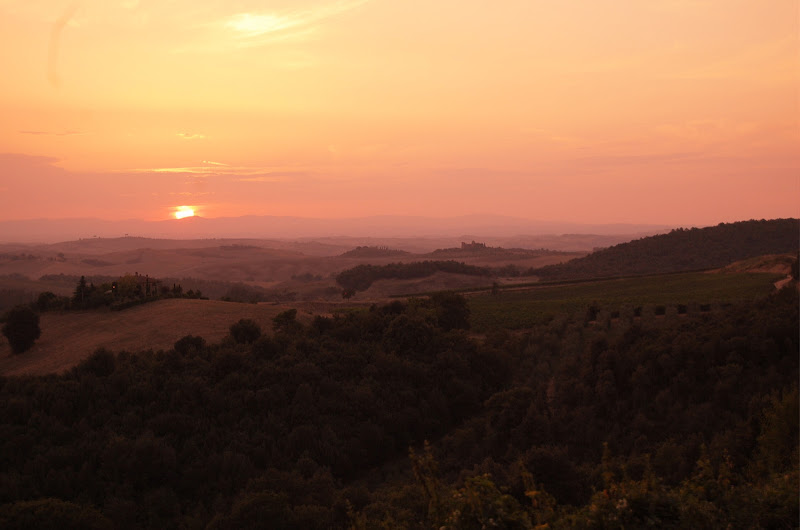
(683,250)
(260,227)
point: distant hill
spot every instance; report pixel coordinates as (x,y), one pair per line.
(261,227)
(683,250)
(472,249)
(373,252)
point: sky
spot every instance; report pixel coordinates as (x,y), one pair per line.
(677,112)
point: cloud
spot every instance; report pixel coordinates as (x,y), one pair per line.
(251,25)
(263,178)
(190,136)
(55,36)
(218,169)
(53,133)
(258,28)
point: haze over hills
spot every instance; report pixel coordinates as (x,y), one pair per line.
(53,230)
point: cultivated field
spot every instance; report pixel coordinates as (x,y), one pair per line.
(525,306)
(67,338)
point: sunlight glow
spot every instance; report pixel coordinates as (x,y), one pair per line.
(184,211)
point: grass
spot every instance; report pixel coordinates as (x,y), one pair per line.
(533,305)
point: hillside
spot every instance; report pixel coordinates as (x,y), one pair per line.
(67,338)
(683,250)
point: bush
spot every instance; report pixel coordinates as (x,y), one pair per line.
(245,331)
(21,328)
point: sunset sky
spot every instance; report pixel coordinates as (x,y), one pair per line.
(667,111)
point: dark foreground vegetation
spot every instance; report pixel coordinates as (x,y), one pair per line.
(669,421)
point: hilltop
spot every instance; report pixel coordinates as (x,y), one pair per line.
(683,250)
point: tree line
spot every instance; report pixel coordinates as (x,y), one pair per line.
(361,277)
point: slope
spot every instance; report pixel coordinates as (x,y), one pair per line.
(683,250)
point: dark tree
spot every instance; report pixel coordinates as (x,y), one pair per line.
(81,292)
(21,328)
(46,301)
(245,331)
(452,310)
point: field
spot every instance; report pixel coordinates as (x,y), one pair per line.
(525,307)
(67,338)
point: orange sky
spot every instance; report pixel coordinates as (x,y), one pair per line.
(672,111)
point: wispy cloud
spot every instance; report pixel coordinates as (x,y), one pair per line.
(257,28)
(233,173)
(53,133)
(264,178)
(53,46)
(191,136)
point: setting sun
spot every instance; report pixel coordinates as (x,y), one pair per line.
(184,211)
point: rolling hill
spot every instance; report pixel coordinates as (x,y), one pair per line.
(683,250)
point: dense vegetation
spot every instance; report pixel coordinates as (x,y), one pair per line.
(683,250)
(360,278)
(157,439)
(666,421)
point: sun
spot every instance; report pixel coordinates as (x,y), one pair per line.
(184,211)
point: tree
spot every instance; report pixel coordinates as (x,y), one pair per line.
(245,331)
(452,310)
(81,292)
(286,322)
(21,328)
